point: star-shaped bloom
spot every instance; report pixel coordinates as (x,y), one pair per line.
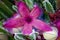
(27,19)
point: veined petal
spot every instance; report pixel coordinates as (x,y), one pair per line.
(23,9)
(27,29)
(41,25)
(13,22)
(36,11)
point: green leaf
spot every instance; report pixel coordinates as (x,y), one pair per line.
(46,16)
(19,36)
(14,8)
(29,3)
(54,4)
(5,8)
(0,23)
(10,37)
(8,3)
(48,7)
(3,15)
(33,35)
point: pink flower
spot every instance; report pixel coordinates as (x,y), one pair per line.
(27,19)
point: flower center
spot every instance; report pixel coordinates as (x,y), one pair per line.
(28,19)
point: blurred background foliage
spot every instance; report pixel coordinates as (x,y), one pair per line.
(6,11)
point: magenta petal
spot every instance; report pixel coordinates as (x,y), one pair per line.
(58,27)
(27,29)
(13,22)
(58,24)
(41,25)
(58,33)
(36,11)
(23,9)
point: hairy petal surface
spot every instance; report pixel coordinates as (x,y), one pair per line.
(27,29)
(36,11)
(13,22)
(41,25)
(23,9)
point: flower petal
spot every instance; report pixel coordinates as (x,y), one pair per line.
(27,29)
(58,27)
(23,9)
(41,25)
(13,22)
(36,11)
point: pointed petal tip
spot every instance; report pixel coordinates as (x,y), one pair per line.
(36,11)
(23,9)
(27,30)
(13,22)
(40,25)
(48,29)
(20,3)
